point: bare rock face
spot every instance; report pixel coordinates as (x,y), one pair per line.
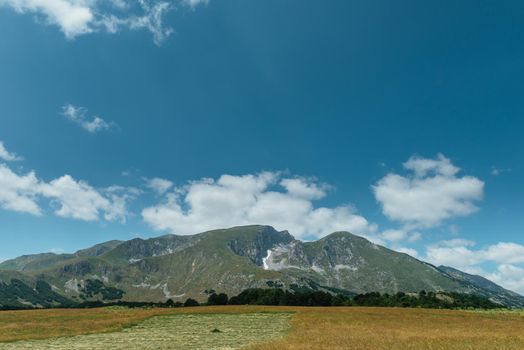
(256,247)
(231,260)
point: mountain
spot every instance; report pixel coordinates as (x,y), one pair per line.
(231,260)
(485,287)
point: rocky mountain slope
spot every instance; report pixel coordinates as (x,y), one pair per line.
(231,260)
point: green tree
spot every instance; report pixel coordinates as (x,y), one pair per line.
(191,302)
(217,299)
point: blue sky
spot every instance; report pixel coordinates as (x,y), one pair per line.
(402,122)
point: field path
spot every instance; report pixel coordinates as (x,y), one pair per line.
(188,331)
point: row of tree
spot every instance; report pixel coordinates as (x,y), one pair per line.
(275,296)
(320,298)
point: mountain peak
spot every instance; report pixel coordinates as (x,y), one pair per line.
(253,256)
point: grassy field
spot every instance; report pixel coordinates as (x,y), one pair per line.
(262,328)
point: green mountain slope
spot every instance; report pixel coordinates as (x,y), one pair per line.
(34,262)
(485,287)
(231,260)
(353,263)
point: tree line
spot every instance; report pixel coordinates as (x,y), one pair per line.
(280,297)
(422,299)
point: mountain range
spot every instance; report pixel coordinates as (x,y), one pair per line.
(229,261)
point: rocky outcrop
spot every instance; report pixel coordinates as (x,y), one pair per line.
(256,248)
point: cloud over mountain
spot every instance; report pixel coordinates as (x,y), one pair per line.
(462,254)
(267,197)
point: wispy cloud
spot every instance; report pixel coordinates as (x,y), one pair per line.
(79,116)
(158,185)
(195,3)
(6,155)
(495,171)
(75,18)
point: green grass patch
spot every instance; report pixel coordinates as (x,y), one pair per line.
(188,331)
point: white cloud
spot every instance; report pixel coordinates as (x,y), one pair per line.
(6,155)
(80,17)
(57,250)
(78,115)
(398,235)
(18,192)
(159,185)
(152,20)
(72,198)
(78,200)
(505,252)
(194,3)
(456,242)
(424,166)
(509,276)
(461,254)
(304,188)
(265,198)
(429,195)
(408,251)
(72,16)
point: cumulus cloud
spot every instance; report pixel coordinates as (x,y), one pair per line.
(78,200)
(71,198)
(398,235)
(80,17)
(305,188)
(408,251)
(461,254)
(457,254)
(430,193)
(18,192)
(6,155)
(509,276)
(73,17)
(264,198)
(78,115)
(159,185)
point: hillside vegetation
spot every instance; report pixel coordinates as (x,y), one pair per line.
(230,261)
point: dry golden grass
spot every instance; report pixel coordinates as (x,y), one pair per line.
(401,329)
(311,328)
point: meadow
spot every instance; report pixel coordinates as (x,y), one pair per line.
(262,328)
